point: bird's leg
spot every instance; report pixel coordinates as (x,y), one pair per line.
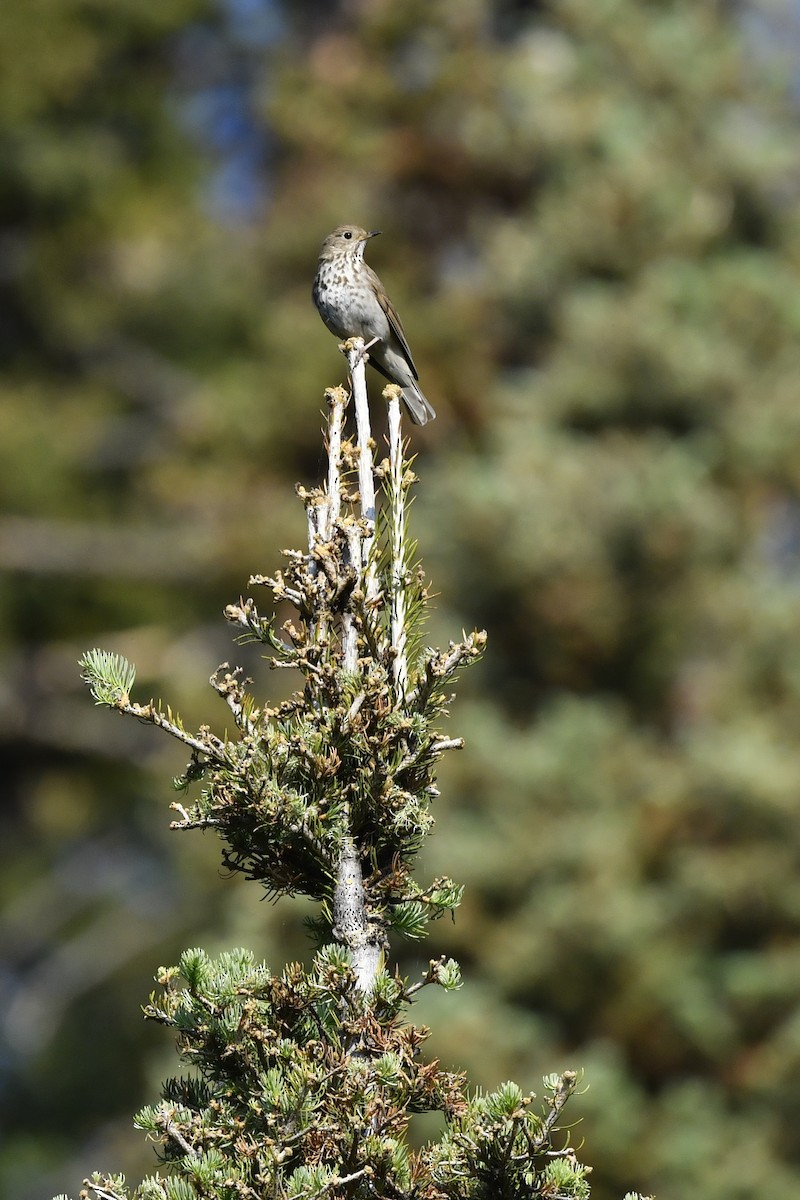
(365,348)
(351,343)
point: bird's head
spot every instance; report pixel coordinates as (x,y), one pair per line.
(349,240)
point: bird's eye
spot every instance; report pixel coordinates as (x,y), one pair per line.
(348,235)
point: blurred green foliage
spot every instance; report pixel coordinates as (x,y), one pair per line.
(591,231)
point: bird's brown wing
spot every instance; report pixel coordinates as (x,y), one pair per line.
(394,321)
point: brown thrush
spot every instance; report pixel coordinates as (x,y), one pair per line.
(352,302)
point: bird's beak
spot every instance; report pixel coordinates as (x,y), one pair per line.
(374,233)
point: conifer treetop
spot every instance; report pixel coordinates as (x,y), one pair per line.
(302,1084)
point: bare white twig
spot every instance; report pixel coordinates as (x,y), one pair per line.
(327,511)
(335,1182)
(190,822)
(317,515)
(353,711)
(397,535)
(340,1179)
(349,631)
(447,744)
(212,749)
(171,1129)
(313,514)
(101,1192)
(337,401)
(366,478)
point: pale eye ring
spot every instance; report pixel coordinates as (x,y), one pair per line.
(347,235)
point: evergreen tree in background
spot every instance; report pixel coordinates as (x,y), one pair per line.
(591,230)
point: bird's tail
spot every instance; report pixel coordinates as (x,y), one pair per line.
(418,407)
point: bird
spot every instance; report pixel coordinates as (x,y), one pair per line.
(352,302)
